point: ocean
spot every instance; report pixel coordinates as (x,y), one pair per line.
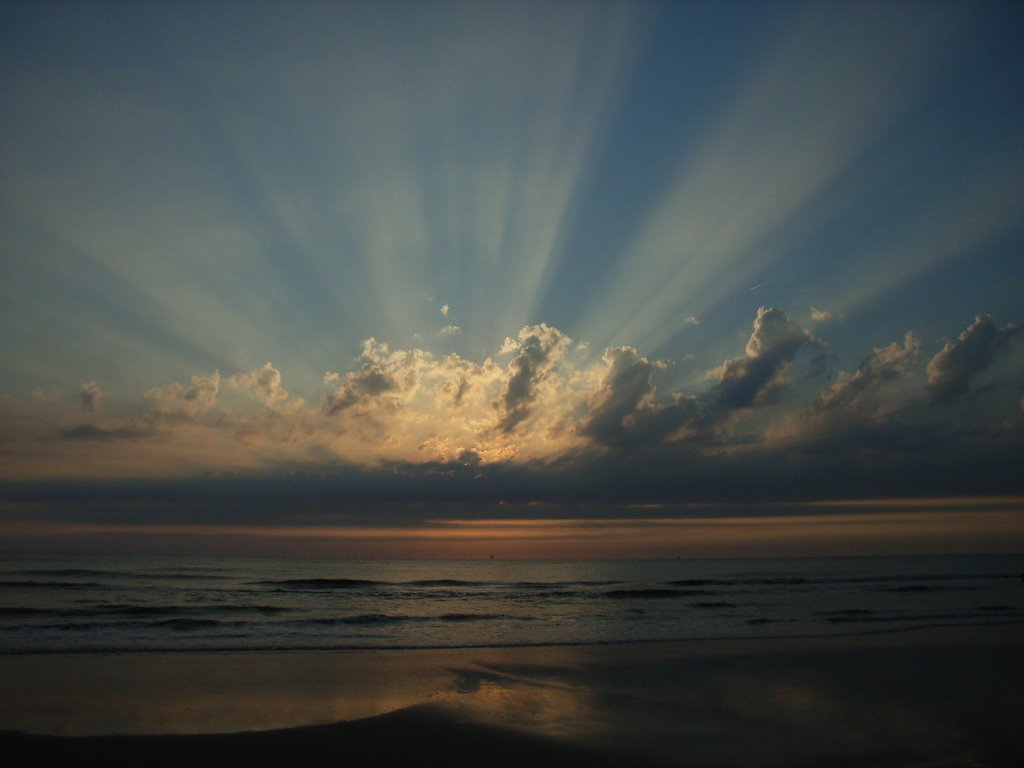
(118,604)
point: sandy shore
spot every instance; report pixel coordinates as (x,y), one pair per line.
(942,697)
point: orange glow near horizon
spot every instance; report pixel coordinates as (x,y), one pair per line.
(916,526)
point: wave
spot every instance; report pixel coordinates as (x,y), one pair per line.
(70,572)
(189,625)
(320,583)
(648,594)
(823,580)
(364,619)
(346,583)
(32,584)
(21,611)
(918,619)
(360,619)
(174,624)
(181,573)
(142,610)
(923,588)
(171,610)
(472,617)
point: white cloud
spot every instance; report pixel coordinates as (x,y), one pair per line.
(450,330)
(445,309)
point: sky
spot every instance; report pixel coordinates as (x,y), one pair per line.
(444,279)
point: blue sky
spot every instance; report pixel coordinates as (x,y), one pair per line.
(719,219)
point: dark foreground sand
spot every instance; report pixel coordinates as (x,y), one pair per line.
(944,697)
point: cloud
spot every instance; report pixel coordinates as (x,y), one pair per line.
(263,382)
(187,402)
(758,376)
(380,379)
(445,309)
(538,348)
(951,370)
(545,422)
(625,415)
(821,315)
(884,366)
(90,394)
(450,330)
(692,320)
(626,386)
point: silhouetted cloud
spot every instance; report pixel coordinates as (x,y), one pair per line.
(950,372)
(537,348)
(625,387)
(758,375)
(625,413)
(883,366)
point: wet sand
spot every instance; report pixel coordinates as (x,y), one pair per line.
(942,697)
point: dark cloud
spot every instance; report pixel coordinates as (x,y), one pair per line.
(626,385)
(862,460)
(758,376)
(370,382)
(950,372)
(383,373)
(625,414)
(884,366)
(93,432)
(537,348)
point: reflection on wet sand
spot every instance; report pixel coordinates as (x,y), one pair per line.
(944,697)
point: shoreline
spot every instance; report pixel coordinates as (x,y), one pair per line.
(200,651)
(882,698)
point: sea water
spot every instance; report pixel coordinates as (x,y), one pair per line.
(69,603)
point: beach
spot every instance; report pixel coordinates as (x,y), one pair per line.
(937,697)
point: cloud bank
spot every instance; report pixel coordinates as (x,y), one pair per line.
(540,422)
